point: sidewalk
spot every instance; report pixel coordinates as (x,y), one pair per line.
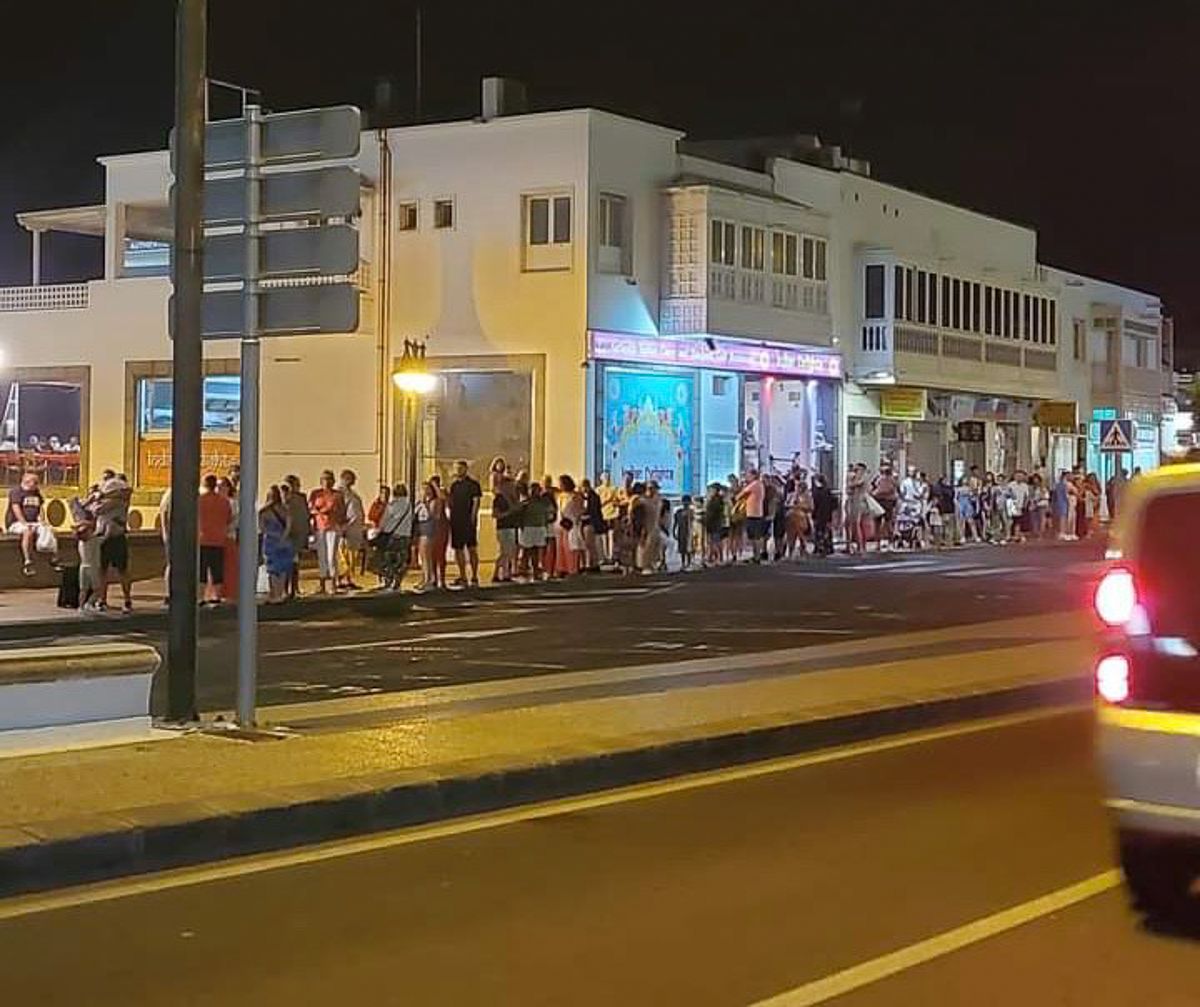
(367,763)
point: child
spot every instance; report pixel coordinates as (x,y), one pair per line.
(84,517)
(681,530)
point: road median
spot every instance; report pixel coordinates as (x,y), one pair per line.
(74,817)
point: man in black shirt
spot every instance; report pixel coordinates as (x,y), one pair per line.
(24,516)
(465,495)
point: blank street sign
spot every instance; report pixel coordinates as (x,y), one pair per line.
(326,192)
(303,251)
(287,137)
(284,311)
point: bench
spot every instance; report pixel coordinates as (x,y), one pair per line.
(103,687)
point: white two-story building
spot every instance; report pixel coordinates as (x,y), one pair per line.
(594,293)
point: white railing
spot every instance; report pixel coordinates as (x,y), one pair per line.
(48,297)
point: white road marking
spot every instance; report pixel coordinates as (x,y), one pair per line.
(462,634)
(992,571)
(186,877)
(542,666)
(742,629)
(868,972)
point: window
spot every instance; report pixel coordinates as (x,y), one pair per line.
(612,228)
(406,216)
(146,258)
(1143,352)
(777,256)
(898,292)
(1079,339)
(819,270)
(753,248)
(547,232)
(1053,322)
(1007,333)
(723,237)
(44,424)
(1025,317)
(810,258)
(956,304)
(921,296)
(791,266)
(612,221)
(908,294)
(443,214)
(987,311)
(874,292)
(932,314)
(219,432)
(975,307)
(946,301)
(1036,330)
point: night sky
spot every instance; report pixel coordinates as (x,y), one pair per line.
(1079,119)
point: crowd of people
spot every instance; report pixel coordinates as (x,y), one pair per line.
(554,528)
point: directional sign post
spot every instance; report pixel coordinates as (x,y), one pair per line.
(1116,435)
(279,251)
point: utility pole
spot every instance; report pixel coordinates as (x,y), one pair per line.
(188,280)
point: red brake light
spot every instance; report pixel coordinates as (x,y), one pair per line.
(1116,596)
(1112,678)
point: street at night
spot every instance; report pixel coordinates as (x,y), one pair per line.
(729,889)
(544,505)
(610,621)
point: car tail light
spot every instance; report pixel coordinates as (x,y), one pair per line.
(1116,598)
(1112,678)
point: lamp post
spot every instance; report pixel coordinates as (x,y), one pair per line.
(414,381)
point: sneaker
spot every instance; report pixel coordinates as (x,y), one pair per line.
(28,569)
(127,608)
(475,582)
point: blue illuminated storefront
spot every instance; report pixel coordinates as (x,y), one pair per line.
(689,411)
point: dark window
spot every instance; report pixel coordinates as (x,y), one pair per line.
(933,299)
(975,307)
(908,294)
(562,219)
(945,301)
(443,213)
(898,292)
(956,304)
(921,299)
(874,303)
(987,310)
(1054,323)
(1007,314)
(1025,317)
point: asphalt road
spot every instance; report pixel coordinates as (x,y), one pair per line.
(610,621)
(731,892)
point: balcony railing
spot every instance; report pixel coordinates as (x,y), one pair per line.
(880,339)
(48,297)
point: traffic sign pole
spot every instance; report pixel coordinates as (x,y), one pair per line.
(186,357)
(248,492)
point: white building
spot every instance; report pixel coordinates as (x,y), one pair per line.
(594,292)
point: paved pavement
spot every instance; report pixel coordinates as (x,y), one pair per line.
(344,649)
(846,876)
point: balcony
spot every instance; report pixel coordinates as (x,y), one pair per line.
(924,356)
(46,297)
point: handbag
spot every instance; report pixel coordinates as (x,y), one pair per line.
(46,540)
(874,507)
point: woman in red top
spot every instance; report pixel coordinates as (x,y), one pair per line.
(328,508)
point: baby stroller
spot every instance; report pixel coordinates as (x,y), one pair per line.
(907,533)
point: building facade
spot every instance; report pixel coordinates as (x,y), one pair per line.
(594,293)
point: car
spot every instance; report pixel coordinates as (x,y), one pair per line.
(1147,677)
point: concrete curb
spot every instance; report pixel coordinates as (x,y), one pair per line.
(72,851)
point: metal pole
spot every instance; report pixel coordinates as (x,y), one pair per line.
(412,438)
(417,62)
(247,606)
(188,280)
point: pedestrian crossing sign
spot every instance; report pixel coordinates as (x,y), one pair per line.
(1116,435)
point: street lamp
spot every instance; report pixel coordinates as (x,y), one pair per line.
(414,381)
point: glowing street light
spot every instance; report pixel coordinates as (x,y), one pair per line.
(412,379)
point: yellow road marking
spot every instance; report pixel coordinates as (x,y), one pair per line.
(121,888)
(865,973)
(1150,720)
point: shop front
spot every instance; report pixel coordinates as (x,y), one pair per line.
(940,432)
(689,411)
